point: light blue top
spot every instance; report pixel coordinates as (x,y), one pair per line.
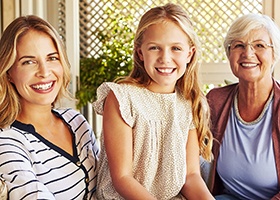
(246,162)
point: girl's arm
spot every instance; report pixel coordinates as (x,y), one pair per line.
(194,187)
(119,149)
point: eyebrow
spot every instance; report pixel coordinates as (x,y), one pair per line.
(158,43)
(50,54)
(25,57)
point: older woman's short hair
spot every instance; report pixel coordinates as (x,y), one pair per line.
(246,23)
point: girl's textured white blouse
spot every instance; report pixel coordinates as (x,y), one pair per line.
(34,168)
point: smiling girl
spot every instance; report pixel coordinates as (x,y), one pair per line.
(155,121)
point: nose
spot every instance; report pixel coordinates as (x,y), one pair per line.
(249,50)
(250,46)
(165,56)
(43,70)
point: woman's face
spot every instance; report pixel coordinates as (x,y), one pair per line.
(165,51)
(251,57)
(37,72)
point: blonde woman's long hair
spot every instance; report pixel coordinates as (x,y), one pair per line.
(188,84)
(9,98)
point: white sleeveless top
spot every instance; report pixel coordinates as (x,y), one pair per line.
(160,124)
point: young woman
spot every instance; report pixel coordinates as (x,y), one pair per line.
(46,153)
(155,121)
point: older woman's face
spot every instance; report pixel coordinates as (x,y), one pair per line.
(251,57)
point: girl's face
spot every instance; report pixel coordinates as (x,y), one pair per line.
(37,72)
(165,51)
(251,57)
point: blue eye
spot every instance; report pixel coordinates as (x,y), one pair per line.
(29,62)
(176,48)
(53,58)
(153,48)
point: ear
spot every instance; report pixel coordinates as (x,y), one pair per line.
(190,53)
(140,54)
(9,78)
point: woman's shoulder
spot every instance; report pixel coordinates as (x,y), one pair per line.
(66,112)
(14,135)
(221,91)
(14,128)
(69,114)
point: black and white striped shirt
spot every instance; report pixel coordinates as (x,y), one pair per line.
(34,168)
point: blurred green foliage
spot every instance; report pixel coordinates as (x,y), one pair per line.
(114,60)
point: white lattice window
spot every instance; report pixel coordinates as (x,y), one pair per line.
(211,19)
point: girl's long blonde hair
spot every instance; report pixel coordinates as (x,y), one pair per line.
(9,98)
(188,84)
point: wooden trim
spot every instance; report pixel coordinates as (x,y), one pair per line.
(8,12)
(270,9)
(216,73)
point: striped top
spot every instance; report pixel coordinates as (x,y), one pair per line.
(34,168)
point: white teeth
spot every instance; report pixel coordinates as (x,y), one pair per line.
(248,65)
(42,86)
(165,70)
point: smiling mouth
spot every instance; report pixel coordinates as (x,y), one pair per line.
(42,86)
(166,70)
(248,65)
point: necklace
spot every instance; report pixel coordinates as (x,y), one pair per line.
(235,103)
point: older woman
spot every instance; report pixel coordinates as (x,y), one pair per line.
(245,115)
